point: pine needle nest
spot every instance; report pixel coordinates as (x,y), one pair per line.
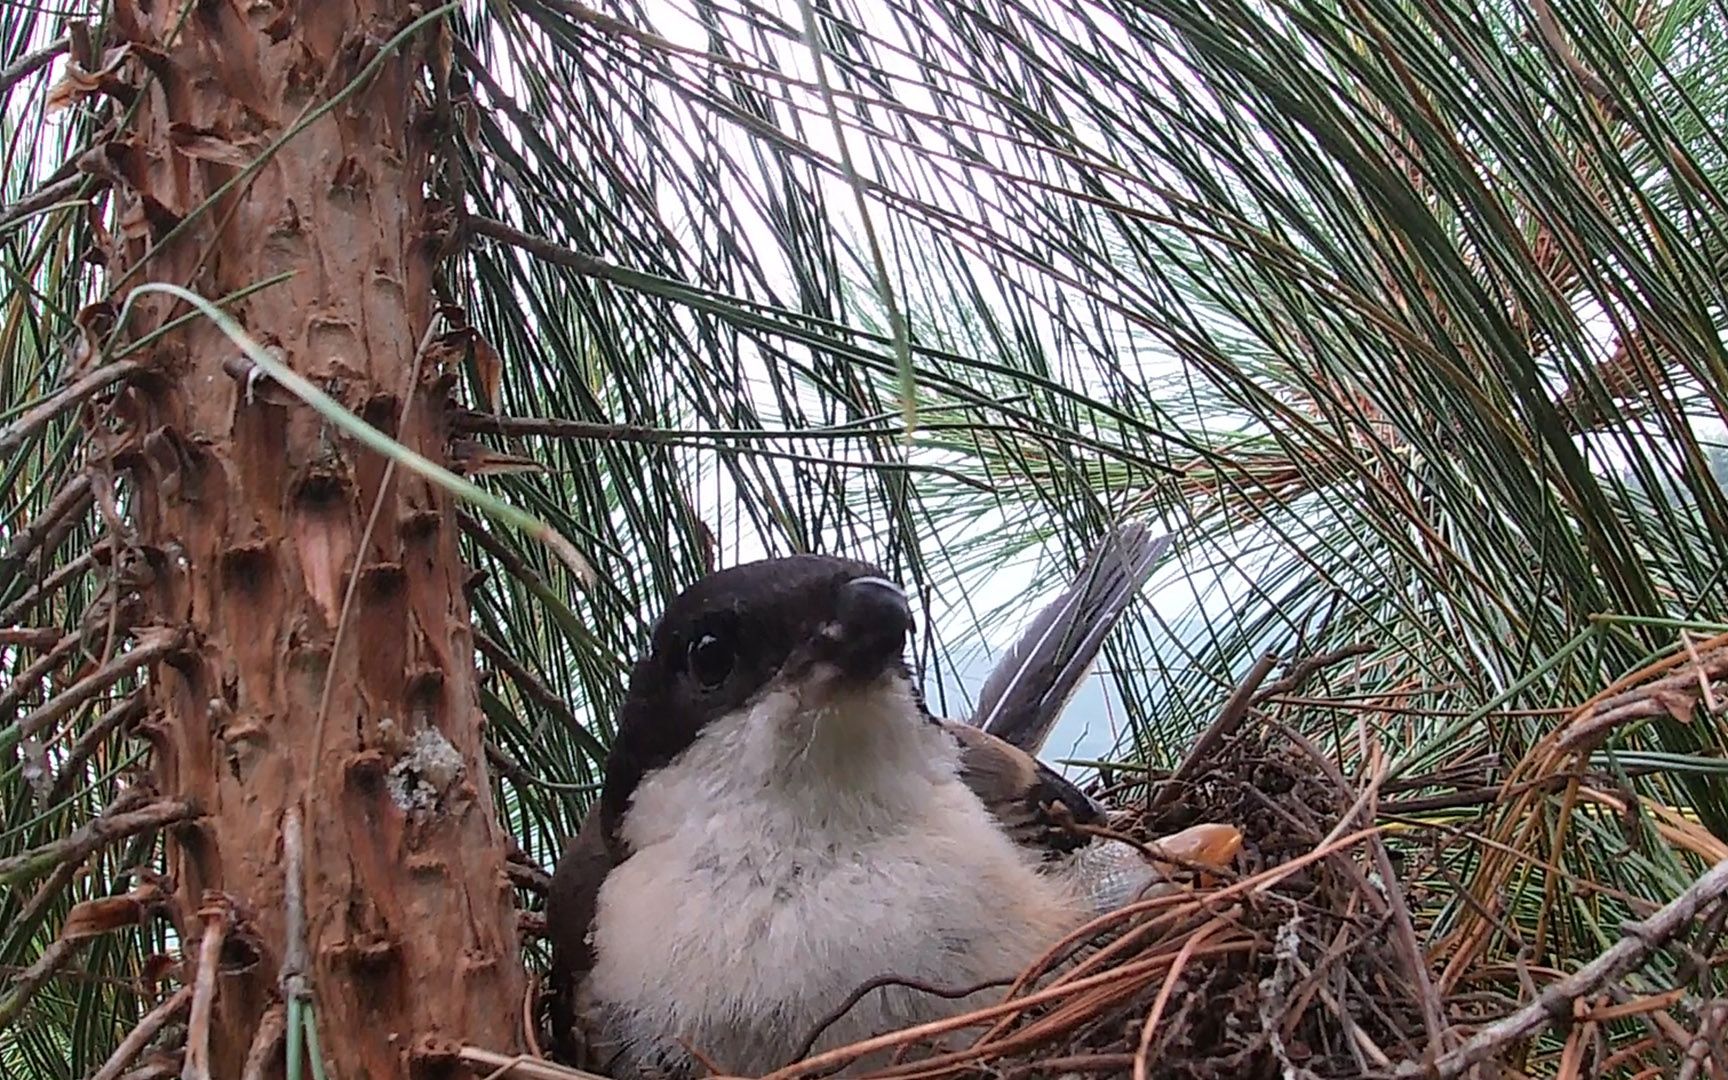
(1288,963)
(1303,959)
(1287,960)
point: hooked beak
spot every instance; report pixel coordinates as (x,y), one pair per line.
(872,620)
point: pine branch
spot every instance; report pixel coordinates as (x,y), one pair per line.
(99,833)
(1554,1004)
(152,644)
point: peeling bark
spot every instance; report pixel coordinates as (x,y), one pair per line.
(260,507)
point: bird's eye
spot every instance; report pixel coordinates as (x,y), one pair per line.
(710,660)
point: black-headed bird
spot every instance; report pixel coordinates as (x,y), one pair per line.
(782,821)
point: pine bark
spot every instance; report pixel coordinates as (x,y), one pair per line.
(256,511)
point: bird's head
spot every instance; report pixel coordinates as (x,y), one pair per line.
(775,672)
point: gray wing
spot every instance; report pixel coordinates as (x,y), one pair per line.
(1032,683)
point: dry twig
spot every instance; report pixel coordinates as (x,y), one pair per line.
(1671,695)
(1554,1004)
(152,644)
(35,419)
(139,1037)
(218,915)
(1229,719)
(518,1066)
(103,830)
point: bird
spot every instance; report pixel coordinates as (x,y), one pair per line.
(782,820)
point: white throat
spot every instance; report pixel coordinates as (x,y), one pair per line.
(795,850)
(796,761)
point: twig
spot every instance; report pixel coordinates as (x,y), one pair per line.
(519,1066)
(586,265)
(69,501)
(709,1065)
(30,637)
(37,418)
(880,981)
(1303,670)
(1704,688)
(1162,1001)
(1012,1006)
(291,980)
(1229,719)
(1658,698)
(1075,1063)
(528,877)
(1606,1014)
(512,770)
(126,712)
(1696,965)
(139,1037)
(1709,1027)
(1390,898)
(103,830)
(27,982)
(1433,1017)
(217,916)
(20,607)
(152,645)
(30,63)
(53,888)
(42,198)
(1554,1003)
(478,423)
(528,683)
(27,680)
(531,995)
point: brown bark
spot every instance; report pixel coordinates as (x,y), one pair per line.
(259,511)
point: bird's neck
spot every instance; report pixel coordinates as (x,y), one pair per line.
(850,764)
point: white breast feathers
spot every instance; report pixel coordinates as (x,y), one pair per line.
(790,855)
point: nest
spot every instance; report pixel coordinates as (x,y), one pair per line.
(1298,960)
(1303,958)
(1294,962)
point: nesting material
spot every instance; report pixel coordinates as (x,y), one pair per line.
(1288,963)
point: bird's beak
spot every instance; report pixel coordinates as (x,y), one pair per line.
(872,619)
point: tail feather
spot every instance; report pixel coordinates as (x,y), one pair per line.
(1034,680)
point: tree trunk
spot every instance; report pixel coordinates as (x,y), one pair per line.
(257,514)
